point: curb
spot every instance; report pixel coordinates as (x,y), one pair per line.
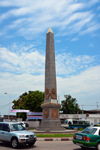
(54,139)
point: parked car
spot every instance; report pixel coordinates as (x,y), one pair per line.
(88,138)
(16,134)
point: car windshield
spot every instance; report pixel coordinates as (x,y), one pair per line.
(89,130)
(16,127)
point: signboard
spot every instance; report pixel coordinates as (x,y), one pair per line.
(34,117)
(54,101)
(35,113)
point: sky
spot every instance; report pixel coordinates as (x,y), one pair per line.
(76,28)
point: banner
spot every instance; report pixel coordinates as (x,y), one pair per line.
(35,113)
(34,117)
(19,110)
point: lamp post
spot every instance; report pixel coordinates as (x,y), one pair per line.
(9,105)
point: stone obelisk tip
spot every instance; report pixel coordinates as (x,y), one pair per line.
(50,30)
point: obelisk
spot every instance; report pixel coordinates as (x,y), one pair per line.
(51,120)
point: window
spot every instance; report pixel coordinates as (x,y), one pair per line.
(1,126)
(6,127)
(75,122)
(89,130)
(99,132)
(16,127)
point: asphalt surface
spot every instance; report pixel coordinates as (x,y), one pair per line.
(44,145)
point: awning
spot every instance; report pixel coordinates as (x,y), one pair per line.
(34,117)
(19,110)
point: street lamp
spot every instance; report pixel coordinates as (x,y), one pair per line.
(9,105)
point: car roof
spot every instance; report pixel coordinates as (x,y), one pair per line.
(94,127)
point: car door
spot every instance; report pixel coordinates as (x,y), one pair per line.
(6,132)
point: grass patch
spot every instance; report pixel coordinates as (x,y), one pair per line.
(54,135)
(80,129)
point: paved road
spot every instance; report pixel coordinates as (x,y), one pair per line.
(45,145)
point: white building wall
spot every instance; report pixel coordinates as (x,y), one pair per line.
(93,118)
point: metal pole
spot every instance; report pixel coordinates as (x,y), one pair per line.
(9,105)
(82,109)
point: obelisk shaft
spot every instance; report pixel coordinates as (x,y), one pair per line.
(50,71)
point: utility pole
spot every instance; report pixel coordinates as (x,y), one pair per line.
(82,109)
(9,105)
(97,104)
(58,99)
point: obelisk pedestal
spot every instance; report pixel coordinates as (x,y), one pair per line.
(51,120)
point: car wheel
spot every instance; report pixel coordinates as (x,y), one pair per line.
(14,143)
(98,146)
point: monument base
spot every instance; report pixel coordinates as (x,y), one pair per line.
(51,120)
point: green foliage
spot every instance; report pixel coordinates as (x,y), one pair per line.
(31,101)
(54,135)
(69,106)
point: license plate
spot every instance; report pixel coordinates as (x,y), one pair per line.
(23,140)
(79,137)
(31,137)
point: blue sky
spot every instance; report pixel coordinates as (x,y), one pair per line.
(76,27)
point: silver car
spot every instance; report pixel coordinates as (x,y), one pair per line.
(16,134)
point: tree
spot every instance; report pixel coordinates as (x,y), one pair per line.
(69,106)
(31,101)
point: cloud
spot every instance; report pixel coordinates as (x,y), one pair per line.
(92,2)
(74,39)
(84,86)
(33,62)
(26,17)
(68,64)
(17,84)
(25,62)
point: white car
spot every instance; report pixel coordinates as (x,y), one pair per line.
(16,134)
